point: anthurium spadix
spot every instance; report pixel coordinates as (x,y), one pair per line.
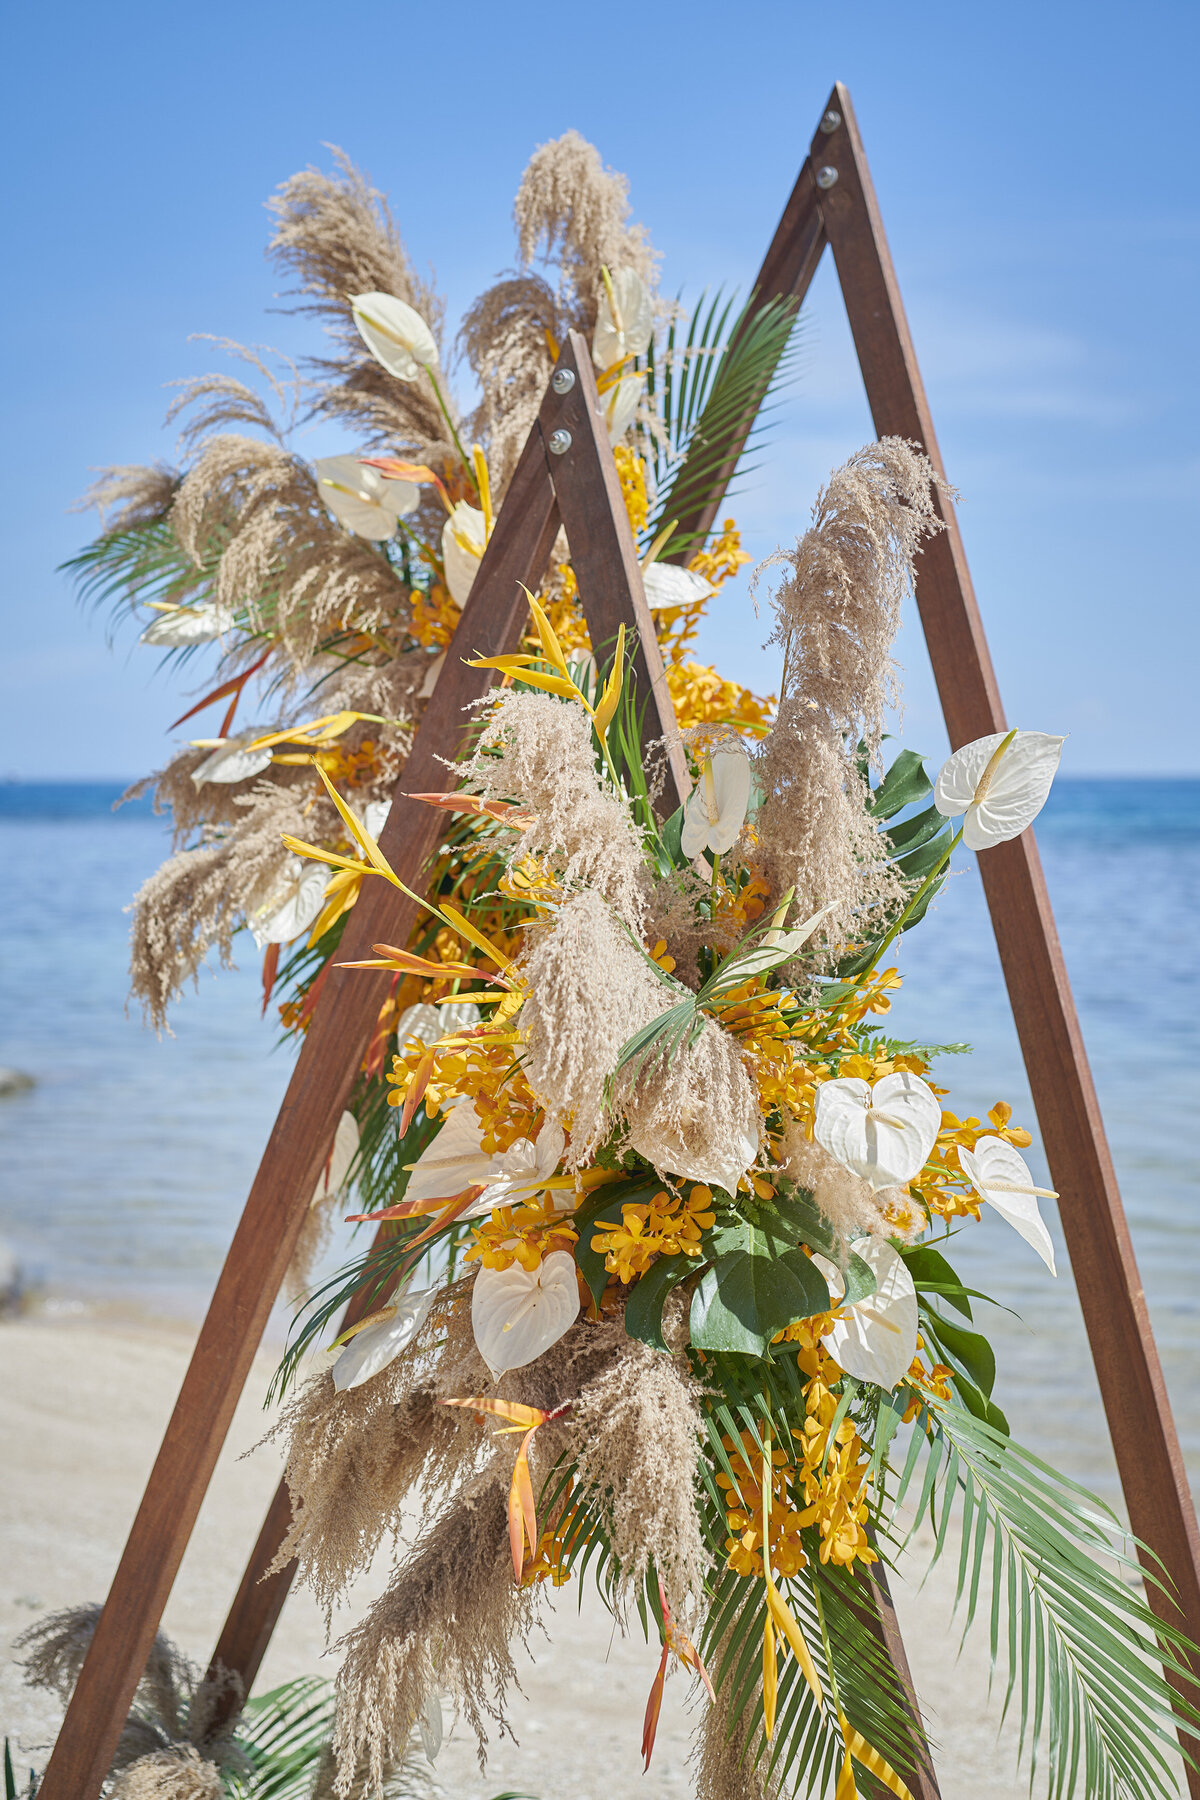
(464,540)
(998,784)
(293,904)
(883,1133)
(395,334)
(624,319)
(1000,1175)
(380,1341)
(875,1339)
(337,1164)
(716,807)
(176,626)
(362,499)
(518,1313)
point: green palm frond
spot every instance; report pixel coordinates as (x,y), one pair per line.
(145,562)
(284,1735)
(709,378)
(1085,1654)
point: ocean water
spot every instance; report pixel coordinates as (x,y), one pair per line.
(123,1170)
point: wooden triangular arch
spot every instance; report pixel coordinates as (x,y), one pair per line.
(566,476)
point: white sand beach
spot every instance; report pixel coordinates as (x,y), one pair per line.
(82,1406)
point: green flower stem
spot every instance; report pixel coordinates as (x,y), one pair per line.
(462,455)
(924,888)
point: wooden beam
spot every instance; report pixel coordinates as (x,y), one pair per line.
(262,1247)
(603,552)
(1153,1476)
(786,274)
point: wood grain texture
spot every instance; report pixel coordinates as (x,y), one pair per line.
(299,1143)
(1153,1476)
(604,554)
(786,273)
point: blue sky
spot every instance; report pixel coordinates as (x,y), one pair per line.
(1036,167)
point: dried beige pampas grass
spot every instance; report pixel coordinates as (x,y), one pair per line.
(695,1110)
(635,1431)
(447,1621)
(724,1764)
(572,211)
(590,989)
(506,337)
(197,900)
(850,1204)
(179,1733)
(251,514)
(335,236)
(130,494)
(354,1457)
(537,751)
(572,216)
(181,1774)
(837,613)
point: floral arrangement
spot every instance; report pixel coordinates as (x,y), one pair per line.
(659,1289)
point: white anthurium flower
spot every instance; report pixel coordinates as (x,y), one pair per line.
(454,1160)
(362,499)
(620,406)
(464,540)
(371,1350)
(395,334)
(337,1164)
(999,782)
(666,585)
(884,1133)
(375,817)
(626,329)
(717,1165)
(187,625)
(292,906)
(425,1024)
(229,762)
(716,807)
(518,1313)
(429,1724)
(431,675)
(523,1169)
(1000,1175)
(876,1338)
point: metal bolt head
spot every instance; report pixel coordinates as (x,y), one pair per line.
(563,380)
(831,121)
(560,441)
(826,177)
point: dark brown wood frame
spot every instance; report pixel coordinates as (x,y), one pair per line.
(832,203)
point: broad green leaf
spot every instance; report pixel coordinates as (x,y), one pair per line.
(967,1350)
(644,1307)
(905,783)
(932,1273)
(910,834)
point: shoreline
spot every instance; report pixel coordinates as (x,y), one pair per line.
(83,1402)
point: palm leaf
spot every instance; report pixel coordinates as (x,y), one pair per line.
(711,379)
(1085,1654)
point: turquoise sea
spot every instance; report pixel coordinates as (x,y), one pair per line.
(122,1171)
